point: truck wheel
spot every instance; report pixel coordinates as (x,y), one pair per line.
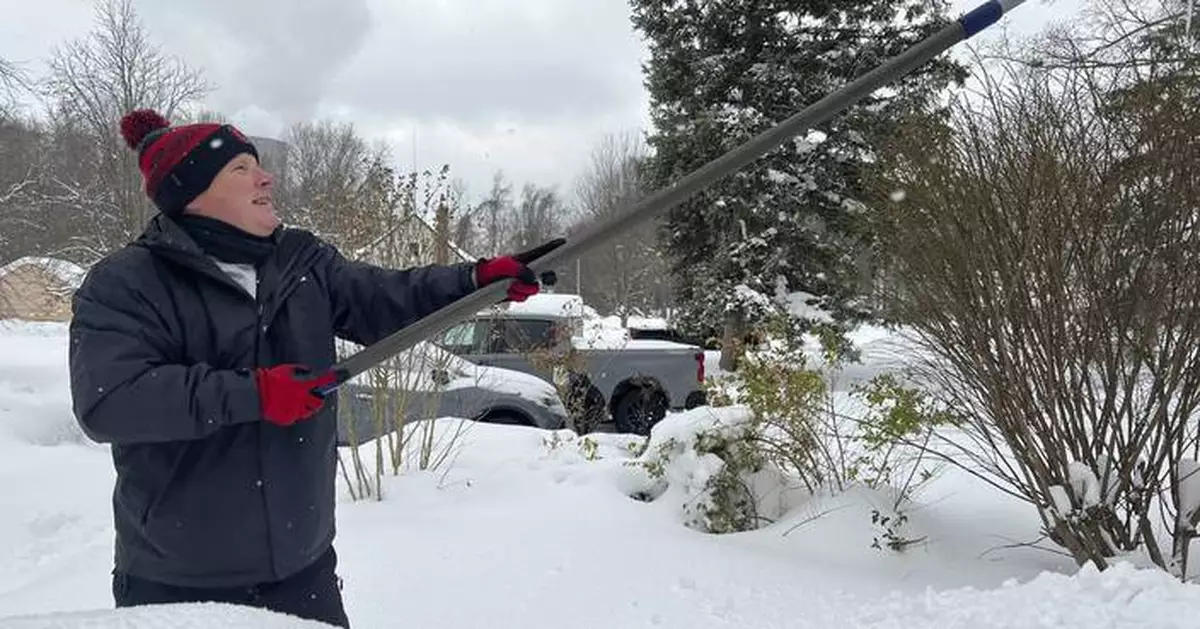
(639,410)
(695,399)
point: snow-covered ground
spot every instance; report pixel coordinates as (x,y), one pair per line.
(530,529)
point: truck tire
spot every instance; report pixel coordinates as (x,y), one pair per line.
(695,399)
(639,409)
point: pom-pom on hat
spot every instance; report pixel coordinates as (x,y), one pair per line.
(179,163)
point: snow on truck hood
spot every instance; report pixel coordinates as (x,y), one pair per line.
(504,381)
(464,373)
(415,367)
(596,332)
(549,305)
(511,382)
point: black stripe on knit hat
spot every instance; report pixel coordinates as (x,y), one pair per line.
(199,167)
(179,163)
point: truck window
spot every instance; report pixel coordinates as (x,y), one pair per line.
(462,338)
(520,336)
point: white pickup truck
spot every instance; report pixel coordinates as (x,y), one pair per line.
(602,373)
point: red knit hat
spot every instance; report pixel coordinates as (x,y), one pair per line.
(179,163)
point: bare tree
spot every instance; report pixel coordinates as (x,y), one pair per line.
(21,165)
(201,115)
(450,208)
(1136,39)
(11,76)
(13,81)
(1044,251)
(627,275)
(490,220)
(93,82)
(536,218)
(336,184)
(466,233)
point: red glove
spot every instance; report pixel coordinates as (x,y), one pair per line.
(515,267)
(496,269)
(286,395)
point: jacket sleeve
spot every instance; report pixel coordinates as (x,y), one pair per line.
(126,389)
(371,302)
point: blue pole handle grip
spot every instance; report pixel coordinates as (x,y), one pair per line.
(985,15)
(325,390)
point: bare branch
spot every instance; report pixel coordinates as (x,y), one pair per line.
(93,81)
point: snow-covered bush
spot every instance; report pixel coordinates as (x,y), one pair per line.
(779,437)
(705,461)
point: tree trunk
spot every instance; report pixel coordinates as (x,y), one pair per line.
(731,342)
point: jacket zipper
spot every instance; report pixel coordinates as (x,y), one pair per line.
(259,337)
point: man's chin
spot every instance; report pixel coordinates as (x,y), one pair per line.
(265,222)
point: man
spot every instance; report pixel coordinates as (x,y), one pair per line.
(195,351)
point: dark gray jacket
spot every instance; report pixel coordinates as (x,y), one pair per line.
(162,343)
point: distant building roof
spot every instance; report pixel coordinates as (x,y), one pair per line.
(69,273)
(423,223)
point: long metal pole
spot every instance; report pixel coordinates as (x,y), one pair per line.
(655,204)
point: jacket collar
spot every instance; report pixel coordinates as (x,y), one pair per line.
(295,253)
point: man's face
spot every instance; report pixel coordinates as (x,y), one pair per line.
(241,196)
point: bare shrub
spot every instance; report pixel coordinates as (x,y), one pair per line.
(403,388)
(379,222)
(1044,255)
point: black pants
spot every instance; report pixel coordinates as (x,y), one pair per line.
(314,593)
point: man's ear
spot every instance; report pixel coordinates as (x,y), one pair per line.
(196,206)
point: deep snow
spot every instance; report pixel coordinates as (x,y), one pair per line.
(529,529)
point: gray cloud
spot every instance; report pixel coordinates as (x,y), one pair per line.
(280,56)
(297,50)
(482,60)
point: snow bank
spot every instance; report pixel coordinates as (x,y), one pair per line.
(638,322)
(35,403)
(536,529)
(185,616)
(602,333)
(1122,596)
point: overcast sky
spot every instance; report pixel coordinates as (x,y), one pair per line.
(528,86)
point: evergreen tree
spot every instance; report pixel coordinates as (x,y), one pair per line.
(721,71)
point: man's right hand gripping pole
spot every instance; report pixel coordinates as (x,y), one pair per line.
(288,393)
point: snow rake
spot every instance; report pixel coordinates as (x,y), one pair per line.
(655,204)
